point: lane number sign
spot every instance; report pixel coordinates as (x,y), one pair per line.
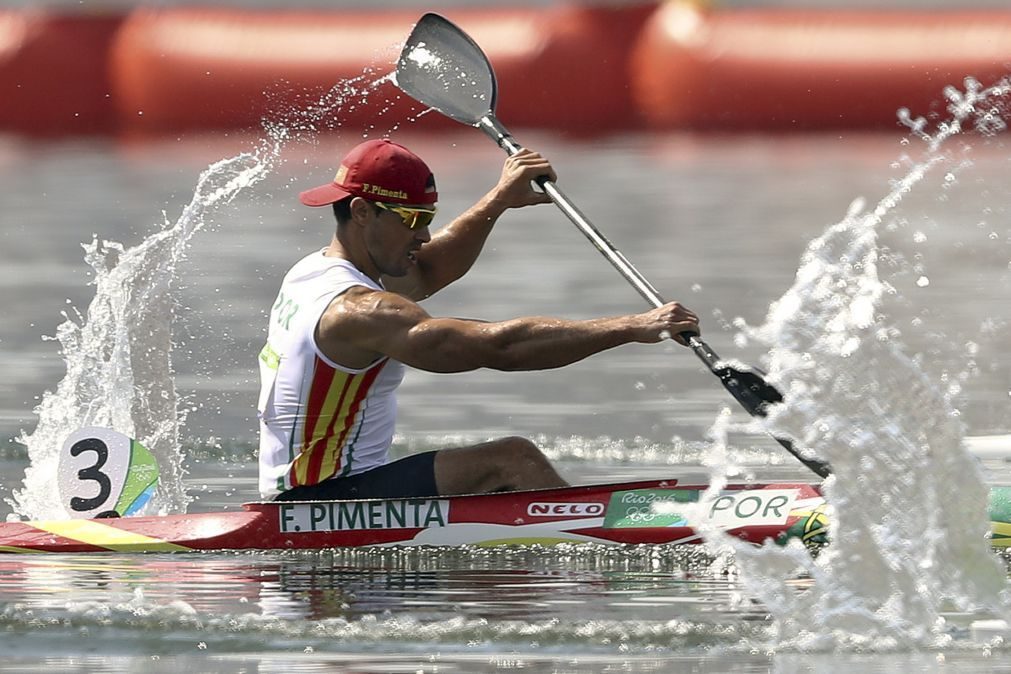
(103,473)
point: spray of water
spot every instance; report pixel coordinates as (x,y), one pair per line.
(909,504)
(118,355)
(119,352)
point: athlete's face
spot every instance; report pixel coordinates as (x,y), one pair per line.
(392,244)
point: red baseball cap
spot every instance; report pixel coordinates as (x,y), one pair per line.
(378,170)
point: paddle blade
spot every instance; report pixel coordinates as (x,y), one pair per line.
(442,67)
(750,389)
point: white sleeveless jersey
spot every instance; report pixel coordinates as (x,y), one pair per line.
(319,420)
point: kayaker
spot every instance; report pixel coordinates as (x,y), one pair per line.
(346,322)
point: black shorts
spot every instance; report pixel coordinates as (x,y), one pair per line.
(410,477)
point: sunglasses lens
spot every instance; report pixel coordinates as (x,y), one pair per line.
(414,218)
(420,219)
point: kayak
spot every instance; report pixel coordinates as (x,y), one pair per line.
(653,512)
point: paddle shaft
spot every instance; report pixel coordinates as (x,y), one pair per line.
(435,46)
(493,128)
(732,379)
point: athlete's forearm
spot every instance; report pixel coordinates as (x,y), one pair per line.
(384,323)
(456,246)
(454,249)
(532,343)
(544,343)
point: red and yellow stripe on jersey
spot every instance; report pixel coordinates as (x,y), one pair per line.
(319,419)
(331,421)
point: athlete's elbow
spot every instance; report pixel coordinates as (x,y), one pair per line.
(505,359)
(482,347)
(513,356)
(465,360)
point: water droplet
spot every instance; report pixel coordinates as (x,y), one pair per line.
(923,282)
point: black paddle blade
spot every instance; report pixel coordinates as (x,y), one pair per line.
(748,388)
(755,395)
(442,67)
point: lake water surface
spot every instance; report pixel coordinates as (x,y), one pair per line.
(717,222)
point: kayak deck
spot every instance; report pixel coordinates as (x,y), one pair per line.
(655,511)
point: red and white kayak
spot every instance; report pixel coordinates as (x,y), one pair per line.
(657,511)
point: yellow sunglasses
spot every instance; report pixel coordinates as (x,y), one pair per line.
(413,218)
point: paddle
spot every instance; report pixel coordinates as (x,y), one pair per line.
(442,67)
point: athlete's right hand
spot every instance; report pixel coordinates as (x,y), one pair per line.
(514,188)
(667,322)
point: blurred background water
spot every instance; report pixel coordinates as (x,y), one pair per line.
(718,221)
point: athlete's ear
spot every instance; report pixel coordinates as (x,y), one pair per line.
(362,211)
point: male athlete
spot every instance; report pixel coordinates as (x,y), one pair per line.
(346,322)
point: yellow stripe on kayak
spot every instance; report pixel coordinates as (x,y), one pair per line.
(1001,536)
(104,536)
(11,548)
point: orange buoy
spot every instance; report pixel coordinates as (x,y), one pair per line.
(176,69)
(807,69)
(53,72)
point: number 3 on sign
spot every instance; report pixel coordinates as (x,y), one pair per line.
(103,473)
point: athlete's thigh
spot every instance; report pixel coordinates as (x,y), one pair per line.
(472,468)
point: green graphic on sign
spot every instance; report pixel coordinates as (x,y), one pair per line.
(141,481)
(649,508)
(730,509)
(1000,516)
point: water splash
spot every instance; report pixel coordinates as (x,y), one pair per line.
(909,503)
(118,355)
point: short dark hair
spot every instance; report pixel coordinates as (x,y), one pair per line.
(342,209)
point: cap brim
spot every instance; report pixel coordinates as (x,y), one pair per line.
(323,195)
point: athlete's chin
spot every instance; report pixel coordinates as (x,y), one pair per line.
(397,272)
(401,267)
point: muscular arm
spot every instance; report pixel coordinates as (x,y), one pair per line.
(364,324)
(456,246)
(451,252)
